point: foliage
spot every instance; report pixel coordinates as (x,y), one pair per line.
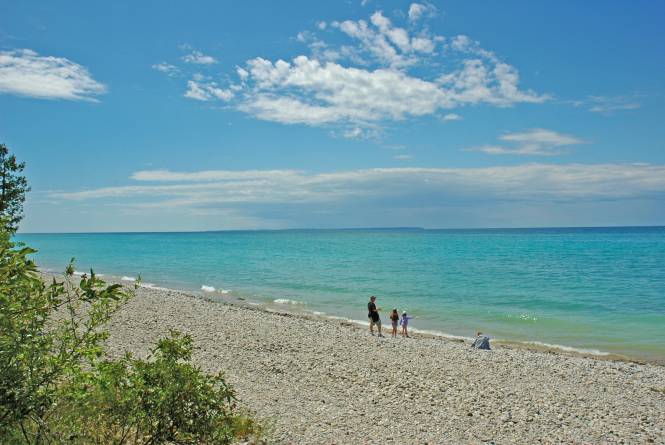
(164,399)
(13,187)
(57,386)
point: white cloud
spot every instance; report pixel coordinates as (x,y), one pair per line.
(23,72)
(390,45)
(436,185)
(452,117)
(359,133)
(205,91)
(209,175)
(371,81)
(610,104)
(167,68)
(321,25)
(331,93)
(418,10)
(464,44)
(535,142)
(197,57)
(403,157)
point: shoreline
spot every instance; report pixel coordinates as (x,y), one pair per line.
(320,381)
(296,308)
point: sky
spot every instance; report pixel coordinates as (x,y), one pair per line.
(214,115)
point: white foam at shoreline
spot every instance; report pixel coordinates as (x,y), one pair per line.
(435,333)
(153,286)
(286,301)
(566,348)
(78,273)
(463,338)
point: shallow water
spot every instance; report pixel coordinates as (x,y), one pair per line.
(599,289)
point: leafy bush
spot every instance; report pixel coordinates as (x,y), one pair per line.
(56,386)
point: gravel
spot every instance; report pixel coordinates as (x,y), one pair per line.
(320,381)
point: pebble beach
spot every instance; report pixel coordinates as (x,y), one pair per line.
(320,381)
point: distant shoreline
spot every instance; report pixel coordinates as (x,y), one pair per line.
(360,229)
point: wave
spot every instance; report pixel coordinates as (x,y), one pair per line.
(435,333)
(286,301)
(440,334)
(446,335)
(78,273)
(566,348)
(153,286)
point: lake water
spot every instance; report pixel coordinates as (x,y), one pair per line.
(597,289)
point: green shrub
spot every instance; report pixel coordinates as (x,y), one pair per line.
(56,385)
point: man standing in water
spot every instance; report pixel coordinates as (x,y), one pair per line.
(373,315)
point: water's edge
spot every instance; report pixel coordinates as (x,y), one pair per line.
(295,309)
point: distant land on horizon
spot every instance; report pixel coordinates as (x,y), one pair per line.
(360,229)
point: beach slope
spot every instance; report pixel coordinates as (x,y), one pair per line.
(318,381)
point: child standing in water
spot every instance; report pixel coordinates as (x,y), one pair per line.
(405,324)
(394,318)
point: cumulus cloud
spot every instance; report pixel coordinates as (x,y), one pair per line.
(418,10)
(198,58)
(388,44)
(365,132)
(386,73)
(452,117)
(535,142)
(23,72)
(331,93)
(167,68)
(205,91)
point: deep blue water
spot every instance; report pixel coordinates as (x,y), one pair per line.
(591,288)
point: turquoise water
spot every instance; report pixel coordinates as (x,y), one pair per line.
(598,289)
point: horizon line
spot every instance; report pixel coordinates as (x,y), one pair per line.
(388,228)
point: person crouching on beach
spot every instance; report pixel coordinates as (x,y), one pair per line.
(405,324)
(481,341)
(373,315)
(394,319)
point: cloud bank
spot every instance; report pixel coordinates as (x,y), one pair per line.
(544,182)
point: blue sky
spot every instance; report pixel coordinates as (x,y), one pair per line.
(139,116)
